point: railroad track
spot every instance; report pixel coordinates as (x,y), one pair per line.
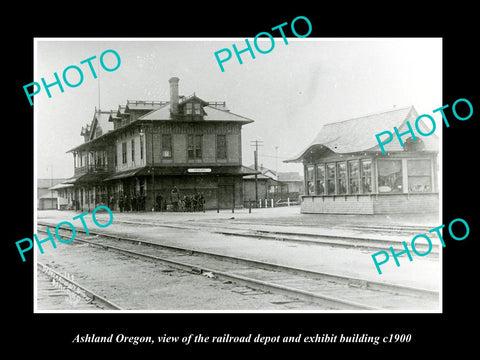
(397,229)
(333,291)
(80,292)
(358,242)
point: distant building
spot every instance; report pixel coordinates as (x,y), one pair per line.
(346,172)
(150,154)
(47,197)
(64,196)
(270,186)
(292,182)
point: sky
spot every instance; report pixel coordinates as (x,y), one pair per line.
(289,92)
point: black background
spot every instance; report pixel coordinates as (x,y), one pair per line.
(51,335)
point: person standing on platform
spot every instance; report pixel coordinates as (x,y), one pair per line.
(120,202)
(159,203)
(126,203)
(201,202)
(188,203)
(134,203)
(195,202)
(174,198)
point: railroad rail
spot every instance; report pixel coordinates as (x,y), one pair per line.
(410,229)
(87,295)
(322,288)
(345,241)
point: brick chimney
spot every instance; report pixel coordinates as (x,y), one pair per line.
(174,94)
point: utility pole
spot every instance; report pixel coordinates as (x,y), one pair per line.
(275,194)
(51,183)
(255,155)
(276,161)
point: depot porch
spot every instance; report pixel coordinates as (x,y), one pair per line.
(148,189)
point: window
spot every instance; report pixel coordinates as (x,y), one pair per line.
(190,147)
(221,146)
(193,108)
(141,147)
(167,145)
(320,179)
(389,176)
(419,175)
(198,146)
(353,177)
(197,109)
(366,174)
(331,179)
(124,153)
(310,184)
(342,178)
(194,146)
(133,150)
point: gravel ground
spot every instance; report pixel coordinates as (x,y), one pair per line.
(422,272)
(139,284)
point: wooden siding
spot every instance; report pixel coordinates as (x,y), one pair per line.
(179,133)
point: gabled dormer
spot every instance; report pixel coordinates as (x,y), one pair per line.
(99,126)
(192,108)
(116,117)
(85,132)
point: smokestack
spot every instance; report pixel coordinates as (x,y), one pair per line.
(174,94)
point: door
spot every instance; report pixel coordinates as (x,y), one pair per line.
(225,196)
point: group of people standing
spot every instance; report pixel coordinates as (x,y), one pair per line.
(131,203)
(177,202)
(187,203)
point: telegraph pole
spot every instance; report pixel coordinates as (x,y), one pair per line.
(51,183)
(255,155)
(276,161)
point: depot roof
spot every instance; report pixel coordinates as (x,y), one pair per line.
(212,113)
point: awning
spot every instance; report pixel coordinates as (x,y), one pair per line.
(73,179)
(87,178)
(123,174)
(238,170)
(60,186)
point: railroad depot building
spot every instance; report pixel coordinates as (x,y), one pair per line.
(148,154)
(345,171)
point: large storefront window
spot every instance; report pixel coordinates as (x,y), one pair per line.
(331,179)
(342,178)
(320,179)
(310,183)
(353,177)
(366,172)
(389,176)
(419,176)
(346,177)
